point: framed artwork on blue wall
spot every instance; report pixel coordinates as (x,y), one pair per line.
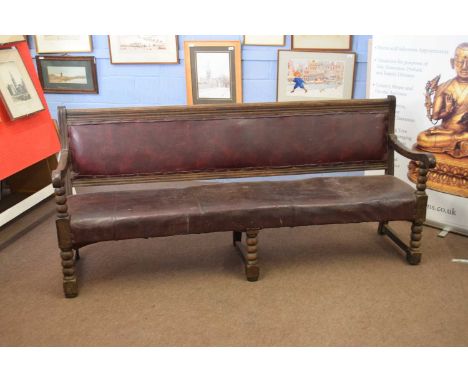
(263,40)
(321,42)
(63,43)
(144,49)
(72,74)
(213,72)
(304,76)
(17,90)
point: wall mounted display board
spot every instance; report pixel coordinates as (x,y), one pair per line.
(278,40)
(27,140)
(9,39)
(429,77)
(213,72)
(17,90)
(144,49)
(63,43)
(306,76)
(73,74)
(321,42)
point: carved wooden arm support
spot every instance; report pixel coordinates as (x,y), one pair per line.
(58,175)
(427,159)
(62,222)
(58,181)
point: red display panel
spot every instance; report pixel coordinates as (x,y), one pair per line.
(30,139)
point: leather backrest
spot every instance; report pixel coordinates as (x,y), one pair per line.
(185,142)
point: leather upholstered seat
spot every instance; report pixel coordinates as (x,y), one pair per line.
(238,206)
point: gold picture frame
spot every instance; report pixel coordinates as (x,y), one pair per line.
(213,72)
(17,90)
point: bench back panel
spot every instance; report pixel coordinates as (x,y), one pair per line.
(198,142)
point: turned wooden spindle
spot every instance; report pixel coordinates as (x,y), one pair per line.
(413,255)
(251,261)
(422,178)
(66,250)
(61,203)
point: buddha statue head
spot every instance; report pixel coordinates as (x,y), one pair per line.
(460,62)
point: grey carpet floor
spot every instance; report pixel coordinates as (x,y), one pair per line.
(335,285)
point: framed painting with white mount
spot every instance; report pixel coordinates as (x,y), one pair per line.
(144,49)
(71,74)
(17,90)
(63,43)
(273,40)
(213,72)
(321,42)
(304,76)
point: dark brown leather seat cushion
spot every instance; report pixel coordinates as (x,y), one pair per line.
(238,206)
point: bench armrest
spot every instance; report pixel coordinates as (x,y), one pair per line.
(427,158)
(58,175)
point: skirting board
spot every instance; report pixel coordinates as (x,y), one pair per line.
(25,204)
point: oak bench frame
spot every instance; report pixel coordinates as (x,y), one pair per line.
(63,178)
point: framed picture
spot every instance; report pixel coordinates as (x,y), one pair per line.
(305,76)
(8,39)
(321,42)
(144,49)
(213,72)
(73,74)
(279,40)
(16,87)
(63,43)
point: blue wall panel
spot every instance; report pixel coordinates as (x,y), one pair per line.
(164,84)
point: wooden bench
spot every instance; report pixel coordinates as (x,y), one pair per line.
(134,145)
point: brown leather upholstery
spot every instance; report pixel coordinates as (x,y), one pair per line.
(237,206)
(159,147)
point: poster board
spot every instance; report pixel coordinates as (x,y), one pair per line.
(404,66)
(27,140)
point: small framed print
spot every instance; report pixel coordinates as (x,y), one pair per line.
(144,49)
(304,76)
(278,40)
(73,74)
(321,42)
(17,90)
(9,39)
(213,72)
(63,43)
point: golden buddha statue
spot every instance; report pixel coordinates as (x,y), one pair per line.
(449,140)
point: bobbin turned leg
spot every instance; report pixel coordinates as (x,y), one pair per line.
(251,268)
(249,253)
(413,256)
(62,222)
(70,286)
